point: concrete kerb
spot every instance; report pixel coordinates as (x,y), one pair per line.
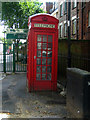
(2,75)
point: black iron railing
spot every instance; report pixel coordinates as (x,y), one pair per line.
(13,57)
(77,61)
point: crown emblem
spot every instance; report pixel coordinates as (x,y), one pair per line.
(44,18)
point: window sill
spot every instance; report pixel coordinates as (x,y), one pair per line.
(61,16)
(73,34)
(65,13)
(73,8)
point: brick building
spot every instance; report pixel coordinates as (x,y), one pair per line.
(80,19)
(55,13)
(84,21)
(49,7)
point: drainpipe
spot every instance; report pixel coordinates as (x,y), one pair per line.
(77,21)
(69,33)
(82,21)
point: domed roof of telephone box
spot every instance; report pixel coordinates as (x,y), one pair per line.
(43,17)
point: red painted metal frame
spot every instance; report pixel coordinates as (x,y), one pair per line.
(32,83)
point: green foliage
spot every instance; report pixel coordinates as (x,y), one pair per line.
(11,12)
(18,12)
(8,41)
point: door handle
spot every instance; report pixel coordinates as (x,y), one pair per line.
(34,57)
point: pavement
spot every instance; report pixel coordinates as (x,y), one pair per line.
(17,102)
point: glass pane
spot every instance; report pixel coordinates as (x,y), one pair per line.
(43,68)
(49,46)
(39,38)
(49,38)
(48,68)
(43,61)
(48,76)
(44,38)
(38,68)
(38,61)
(38,76)
(49,53)
(44,46)
(43,53)
(49,61)
(89,19)
(38,45)
(43,76)
(38,53)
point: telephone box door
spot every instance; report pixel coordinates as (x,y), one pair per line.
(43,59)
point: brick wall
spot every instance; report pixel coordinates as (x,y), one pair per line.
(80,21)
(87,17)
(82,28)
(80,54)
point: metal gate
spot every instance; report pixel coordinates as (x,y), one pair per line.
(13,57)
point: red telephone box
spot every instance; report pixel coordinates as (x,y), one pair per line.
(42,52)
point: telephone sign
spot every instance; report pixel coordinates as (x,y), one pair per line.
(44,25)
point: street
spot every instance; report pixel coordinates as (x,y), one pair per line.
(18,102)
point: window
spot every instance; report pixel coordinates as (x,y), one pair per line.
(74,27)
(74,4)
(83,4)
(61,28)
(89,19)
(65,7)
(61,10)
(56,14)
(65,30)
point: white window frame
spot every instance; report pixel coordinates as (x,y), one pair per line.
(61,10)
(74,25)
(65,6)
(61,30)
(65,29)
(74,3)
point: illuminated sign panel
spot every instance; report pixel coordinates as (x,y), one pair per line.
(44,25)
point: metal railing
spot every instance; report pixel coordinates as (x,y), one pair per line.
(13,57)
(77,61)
